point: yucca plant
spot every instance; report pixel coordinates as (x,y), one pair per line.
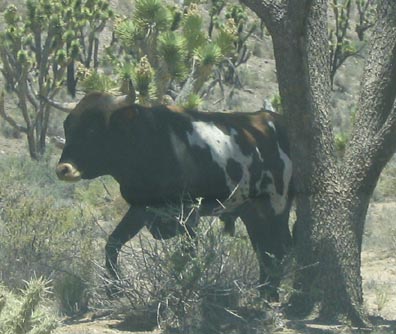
(178,48)
(208,56)
(193,101)
(152,15)
(143,75)
(26,314)
(193,28)
(227,37)
(172,52)
(93,80)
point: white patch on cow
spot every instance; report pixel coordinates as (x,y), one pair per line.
(271,125)
(259,154)
(279,201)
(223,147)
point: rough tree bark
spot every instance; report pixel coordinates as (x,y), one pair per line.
(332,197)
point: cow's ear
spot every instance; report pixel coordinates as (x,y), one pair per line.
(120,102)
(121,119)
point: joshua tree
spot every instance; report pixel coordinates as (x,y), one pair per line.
(37,49)
(332,196)
(174,54)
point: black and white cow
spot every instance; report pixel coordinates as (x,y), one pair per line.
(238,164)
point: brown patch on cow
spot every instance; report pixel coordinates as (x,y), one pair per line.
(175,108)
(249,137)
(260,122)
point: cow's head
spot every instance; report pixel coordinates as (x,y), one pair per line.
(84,155)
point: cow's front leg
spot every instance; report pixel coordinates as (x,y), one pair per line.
(129,226)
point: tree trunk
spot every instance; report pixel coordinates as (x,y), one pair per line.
(332,199)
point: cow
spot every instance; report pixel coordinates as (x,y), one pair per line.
(237,164)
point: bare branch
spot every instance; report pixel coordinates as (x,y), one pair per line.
(31,95)
(58,141)
(373,140)
(8,118)
(268,11)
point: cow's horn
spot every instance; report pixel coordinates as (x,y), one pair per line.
(64,106)
(122,101)
(128,88)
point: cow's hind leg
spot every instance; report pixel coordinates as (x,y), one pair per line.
(270,237)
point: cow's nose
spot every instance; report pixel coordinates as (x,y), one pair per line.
(67,172)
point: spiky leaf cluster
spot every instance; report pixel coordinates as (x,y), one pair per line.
(193,101)
(238,15)
(152,15)
(193,30)
(178,46)
(227,37)
(24,314)
(93,80)
(143,76)
(208,55)
(173,52)
(128,33)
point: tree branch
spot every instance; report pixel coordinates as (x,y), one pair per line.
(385,139)
(376,116)
(269,11)
(378,90)
(8,118)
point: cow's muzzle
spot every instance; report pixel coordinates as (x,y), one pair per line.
(67,172)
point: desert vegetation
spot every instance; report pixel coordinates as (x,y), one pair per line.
(206,54)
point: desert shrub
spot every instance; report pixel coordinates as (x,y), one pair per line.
(44,231)
(205,285)
(26,312)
